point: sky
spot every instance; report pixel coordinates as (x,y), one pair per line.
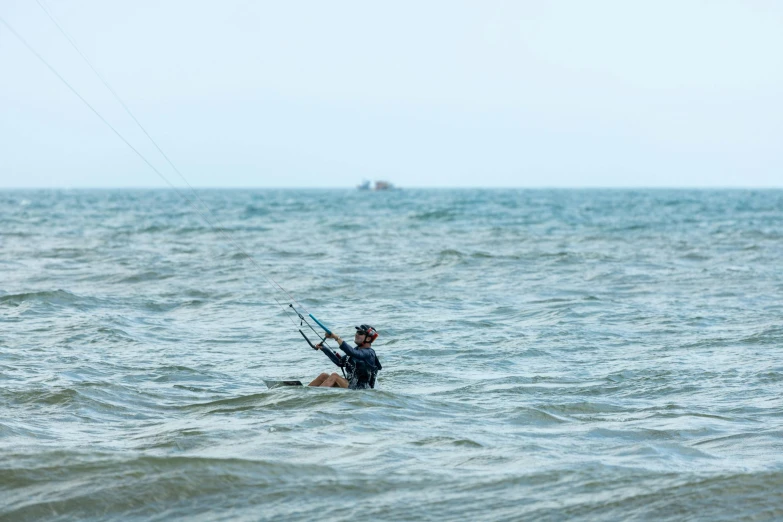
(485,93)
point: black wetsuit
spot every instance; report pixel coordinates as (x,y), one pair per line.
(361,365)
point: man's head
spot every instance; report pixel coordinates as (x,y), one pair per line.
(365,335)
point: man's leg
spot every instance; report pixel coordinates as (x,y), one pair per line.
(319,380)
(335,381)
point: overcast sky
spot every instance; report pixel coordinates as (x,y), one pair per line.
(424,94)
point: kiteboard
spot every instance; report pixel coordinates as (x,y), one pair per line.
(278,384)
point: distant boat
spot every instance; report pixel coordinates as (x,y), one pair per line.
(379,185)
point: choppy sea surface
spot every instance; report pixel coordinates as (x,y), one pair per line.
(548,355)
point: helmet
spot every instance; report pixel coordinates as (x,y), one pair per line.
(367,330)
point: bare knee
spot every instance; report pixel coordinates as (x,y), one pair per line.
(318,380)
(328,383)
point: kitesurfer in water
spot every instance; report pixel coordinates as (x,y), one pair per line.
(360,365)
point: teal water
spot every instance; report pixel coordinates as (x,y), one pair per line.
(548,355)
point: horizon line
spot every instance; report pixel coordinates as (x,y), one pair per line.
(403,188)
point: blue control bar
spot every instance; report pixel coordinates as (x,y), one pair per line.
(320,324)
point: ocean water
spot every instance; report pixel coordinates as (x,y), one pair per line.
(548,355)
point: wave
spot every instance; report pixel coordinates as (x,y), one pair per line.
(256,211)
(58,298)
(772,336)
(89,397)
(447,441)
(434,215)
(48,397)
(70,485)
(75,485)
(147,275)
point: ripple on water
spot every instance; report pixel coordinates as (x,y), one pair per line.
(548,355)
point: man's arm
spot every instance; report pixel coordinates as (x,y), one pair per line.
(344,346)
(350,350)
(335,358)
